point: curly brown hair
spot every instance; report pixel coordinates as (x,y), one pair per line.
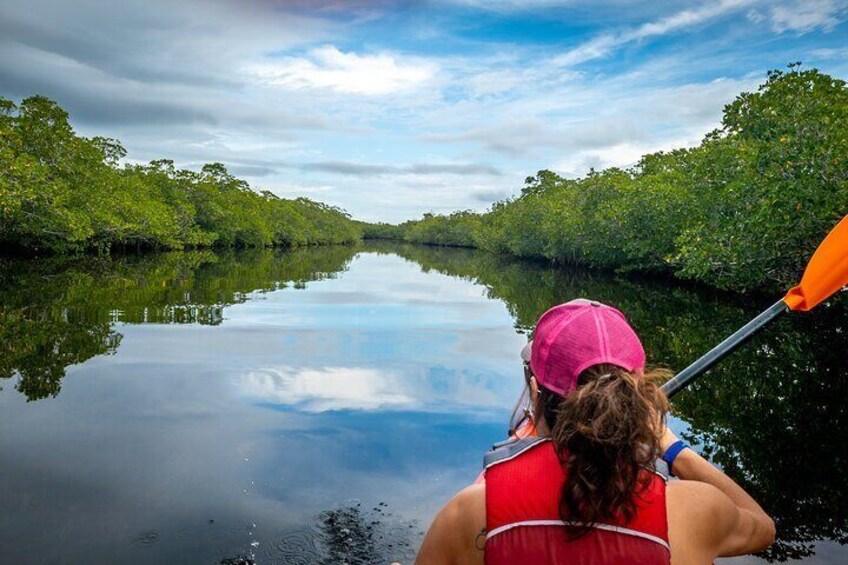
(606,433)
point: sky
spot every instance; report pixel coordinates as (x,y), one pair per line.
(390,109)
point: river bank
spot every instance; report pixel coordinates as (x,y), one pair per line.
(64,193)
(742,211)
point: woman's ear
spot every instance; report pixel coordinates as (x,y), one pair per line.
(533,385)
(534,390)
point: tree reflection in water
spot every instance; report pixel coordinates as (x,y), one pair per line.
(773,415)
(56,313)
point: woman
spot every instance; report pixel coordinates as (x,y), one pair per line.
(586,488)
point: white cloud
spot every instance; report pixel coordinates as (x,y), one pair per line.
(520,137)
(293,190)
(663,119)
(619,155)
(808,15)
(329,68)
(605,44)
(530,5)
(841,54)
(755,16)
(593,49)
(687,18)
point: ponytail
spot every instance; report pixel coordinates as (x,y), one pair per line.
(606,432)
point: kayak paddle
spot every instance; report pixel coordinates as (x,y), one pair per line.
(826,273)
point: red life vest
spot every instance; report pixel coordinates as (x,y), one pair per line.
(523,485)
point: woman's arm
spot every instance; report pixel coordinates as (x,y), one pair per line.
(732,522)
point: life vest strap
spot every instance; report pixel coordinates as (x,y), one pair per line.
(511,450)
(605,527)
(516,447)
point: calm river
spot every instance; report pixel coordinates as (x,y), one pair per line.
(319,406)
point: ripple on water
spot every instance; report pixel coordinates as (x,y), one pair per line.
(295,546)
(146,539)
(348,534)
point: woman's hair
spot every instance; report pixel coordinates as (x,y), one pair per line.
(606,432)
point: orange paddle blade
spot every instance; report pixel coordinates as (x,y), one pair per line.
(826,272)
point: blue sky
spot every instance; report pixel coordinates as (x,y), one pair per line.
(392,109)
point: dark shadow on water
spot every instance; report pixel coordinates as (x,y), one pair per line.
(350,534)
(364,537)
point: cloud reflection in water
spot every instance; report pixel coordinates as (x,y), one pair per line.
(331,388)
(325,389)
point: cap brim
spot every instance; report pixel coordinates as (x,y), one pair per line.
(526,351)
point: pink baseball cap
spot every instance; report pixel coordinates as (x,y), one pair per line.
(572,337)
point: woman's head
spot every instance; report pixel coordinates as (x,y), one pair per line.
(603,411)
(571,337)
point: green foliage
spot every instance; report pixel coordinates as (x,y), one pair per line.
(381,231)
(457,230)
(60,192)
(778,181)
(498,231)
(743,210)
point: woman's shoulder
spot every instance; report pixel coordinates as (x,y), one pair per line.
(468,503)
(452,538)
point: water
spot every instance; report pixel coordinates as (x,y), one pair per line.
(319,406)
